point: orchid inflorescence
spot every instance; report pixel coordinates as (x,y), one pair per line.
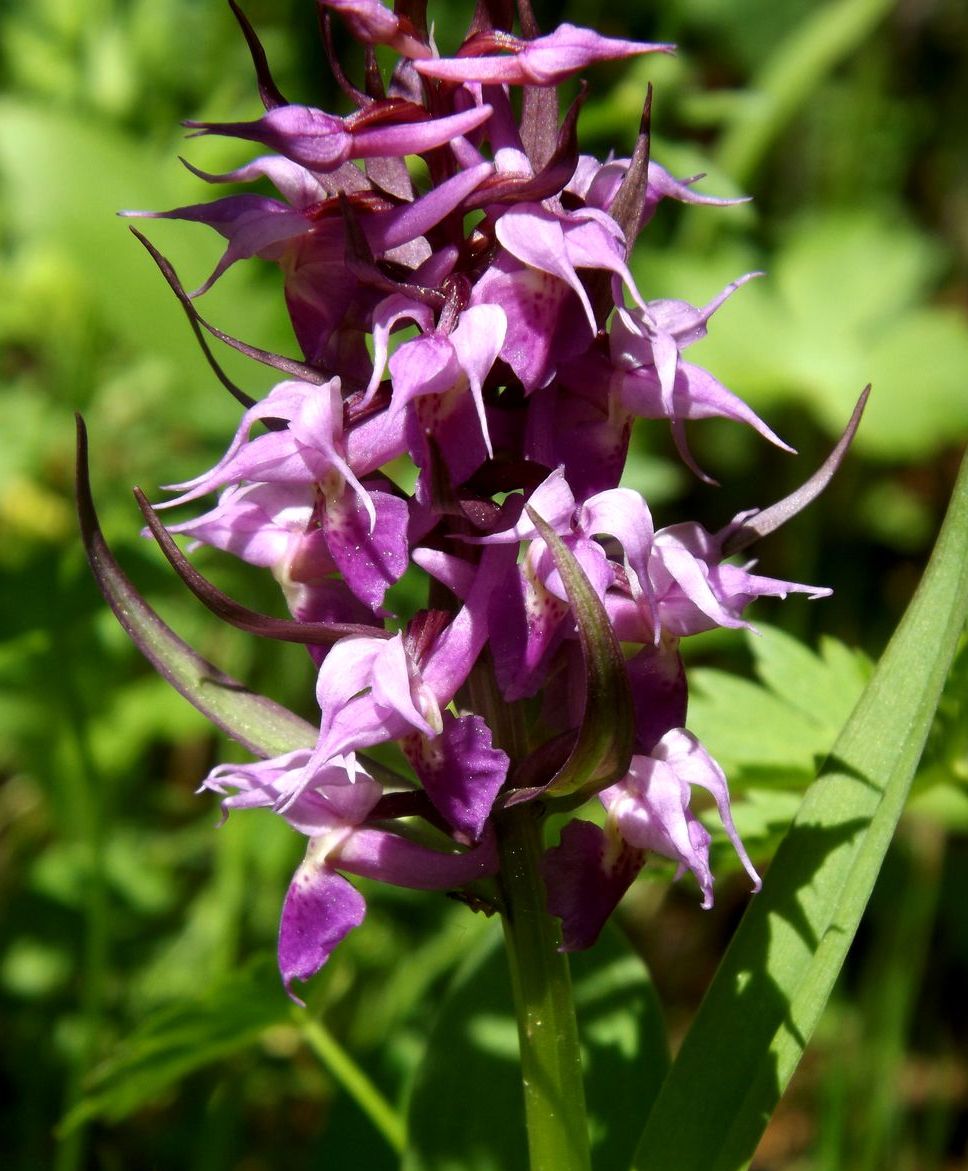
(546,667)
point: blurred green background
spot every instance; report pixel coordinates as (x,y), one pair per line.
(137,993)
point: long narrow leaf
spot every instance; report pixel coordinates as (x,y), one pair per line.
(264,727)
(774,981)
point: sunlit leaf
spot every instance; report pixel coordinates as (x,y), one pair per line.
(775,979)
(788,718)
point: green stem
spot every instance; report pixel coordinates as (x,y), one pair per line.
(85,793)
(554,1095)
(348,1074)
(792,73)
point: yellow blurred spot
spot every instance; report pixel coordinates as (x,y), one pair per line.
(31,510)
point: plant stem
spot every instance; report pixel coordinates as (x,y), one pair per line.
(554,1096)
(354,1081)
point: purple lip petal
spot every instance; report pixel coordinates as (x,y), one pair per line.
(461,771)
(370,557)
(586,875)
(659,693)
(320,910)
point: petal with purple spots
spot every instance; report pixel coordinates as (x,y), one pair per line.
(320,910)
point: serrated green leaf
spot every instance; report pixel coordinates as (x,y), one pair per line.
(466,1109)
(744,724)
(822,687)
(774,981)
(173,1042)
(790,718)
(843,304)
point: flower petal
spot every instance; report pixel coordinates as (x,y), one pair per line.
(320,910)
(586,875)
(461,771)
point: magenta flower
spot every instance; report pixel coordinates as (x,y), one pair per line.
(475,351)
(302,512)
(649,810)
(544,61)
(331,807)
(535,281)
(373,24)
(321,143)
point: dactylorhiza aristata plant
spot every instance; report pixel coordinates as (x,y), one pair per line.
(544,675)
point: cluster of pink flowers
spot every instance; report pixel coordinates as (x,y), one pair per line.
(529,353)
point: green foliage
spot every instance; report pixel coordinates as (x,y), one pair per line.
(790,717)
(469,1077)
(230,1015)
(841,305)
(132,930)
(774,981)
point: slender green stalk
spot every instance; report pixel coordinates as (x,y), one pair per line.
(85,792)
(791,74)
(356,1083)
(554,1095)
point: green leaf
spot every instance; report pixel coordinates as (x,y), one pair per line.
(774,981)
(264,727)
(173,1042)
(603,749)
(466,1110)
(844,304)
(787,720)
